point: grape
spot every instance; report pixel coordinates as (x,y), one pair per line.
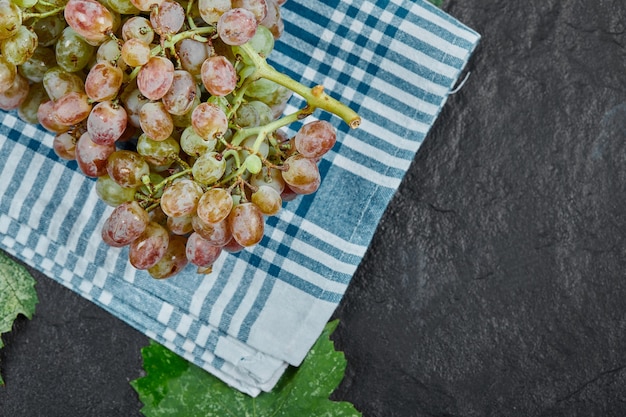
(155,77)
(181,198)
(135,52)
(268,200)
(138,27)
(173,261)
(212,10)
(150,247)
(127,168)
(72,51)
(233,246)
(265,112)
(192,54)
(273,20)
(193,144)
(302,174)
(72,108)
(157,153)
(257,7)
(209,121)
(108,190)
(155,121)
(89,19)
(59,82)
(246,224)
(262,89)
(10,19)
(182,94)
(103,81)
(14,96)
(91,157)
(8,71)
(316,138)
(168,18)
(133,102)
(20,47)
(146,5)
(262,42)
(236,26)
(215,205)
(200,252)
(125,224)
(270,177)
(107,122)
(218,75)
(247,116)
(25,4)
(180,225)
(38,64)
(209,168)
(123,7)
(27,111)
(110,51)
(48,29)
(64,145)
(217,234)
(48,118)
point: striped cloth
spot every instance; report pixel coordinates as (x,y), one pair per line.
(393,61)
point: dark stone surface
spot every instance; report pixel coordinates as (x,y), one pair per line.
(494,285)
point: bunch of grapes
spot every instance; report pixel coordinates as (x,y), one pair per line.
(173,107)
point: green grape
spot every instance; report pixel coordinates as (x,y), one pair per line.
(262,42)
(38,64)
(247,116)
(261,88)
(49,5)
(194,144)
(19,47)
(157,153)
(49,29)
(209,168)
(112,193)
(25,4)
(127,168)
(28,109)
(254,164)
(265,112)
(10,19)
(72,51)
(122,7)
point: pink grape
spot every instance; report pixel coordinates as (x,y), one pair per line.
(72,108)
(232,246)
(181,198)
(180,225)
(57,82)
(64,145)
(209,121)
(146,5)
(155,121)
(192,54)
(173,261)
(135,52)
(14,96)
(168,18)
(48,118)
(268,200)
(138,27)
(215,205)
(246,223)
(133,102)
(236,26)
(273,19)
(103,81)
(127,168)
(218,75)
(182,94)
(200,252)
(90,19)
(257,7)
(155,77)
(8,71)
(149,247)
(316,138)
(302,174)
(107,122)
(125,224)
(91,157)
(218,234)
(211,10)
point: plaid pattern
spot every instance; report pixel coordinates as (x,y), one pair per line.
(393,61)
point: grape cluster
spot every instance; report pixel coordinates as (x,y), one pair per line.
(173,107)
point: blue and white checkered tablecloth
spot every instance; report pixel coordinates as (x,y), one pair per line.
(393,61)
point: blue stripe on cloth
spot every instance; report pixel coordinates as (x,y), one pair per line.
(392,61)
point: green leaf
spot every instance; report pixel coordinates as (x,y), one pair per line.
(174,387)
(17,294)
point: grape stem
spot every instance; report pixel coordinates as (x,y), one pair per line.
(263,131)
(315,97)
(26,16)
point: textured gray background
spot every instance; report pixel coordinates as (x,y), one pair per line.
(494,285)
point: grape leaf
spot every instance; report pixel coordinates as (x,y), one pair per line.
(174,387)
(17,294)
